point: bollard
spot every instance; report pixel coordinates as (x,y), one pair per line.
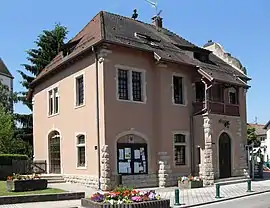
(177,197)
(217,191)
(249,185)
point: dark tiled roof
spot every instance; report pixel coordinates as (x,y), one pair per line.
(4,70)
(259,128)
(170,47)
(266,125)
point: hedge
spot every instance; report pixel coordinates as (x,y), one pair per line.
(6,159)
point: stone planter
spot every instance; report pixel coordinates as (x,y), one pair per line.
(147,204)
(26,185)
(190,184)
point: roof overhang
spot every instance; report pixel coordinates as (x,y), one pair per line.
(212,78)
(267,125)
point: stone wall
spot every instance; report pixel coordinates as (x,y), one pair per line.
(208,169)
(87,180)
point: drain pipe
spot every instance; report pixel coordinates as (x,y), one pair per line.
(192,126)
(97,109)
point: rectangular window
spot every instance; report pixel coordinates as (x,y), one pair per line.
(123,84)
(79,90)
(81,151)
(178,90)
(53,101)
(137,86)
(232,98)
(179,149)
(130,85)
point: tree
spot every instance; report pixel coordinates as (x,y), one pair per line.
(252,137)
(6,130)
(9,144)
(7,98)
(48,44)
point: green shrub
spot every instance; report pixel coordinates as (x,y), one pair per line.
(6,159)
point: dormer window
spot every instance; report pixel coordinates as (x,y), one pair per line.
(148,40)
(203,57)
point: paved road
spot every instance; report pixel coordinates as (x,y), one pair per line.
(255,201)
(58,204)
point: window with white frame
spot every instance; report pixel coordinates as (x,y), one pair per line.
(179,149)
(178,90)
(53,101)
(81,151)
(130,85)
(79,90)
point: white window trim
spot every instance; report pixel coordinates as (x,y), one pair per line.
(75,89)
(48,102)
(187,151)
(184,89)
(81,145)
(144,83)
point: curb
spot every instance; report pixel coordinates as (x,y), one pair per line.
(221,200)
(41,197)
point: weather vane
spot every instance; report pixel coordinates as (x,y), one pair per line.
(155,5)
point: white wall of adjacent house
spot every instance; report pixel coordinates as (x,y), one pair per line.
(267,144)
(7,81)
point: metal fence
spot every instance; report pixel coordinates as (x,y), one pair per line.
(23,167)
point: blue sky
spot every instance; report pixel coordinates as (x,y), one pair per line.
(242,27)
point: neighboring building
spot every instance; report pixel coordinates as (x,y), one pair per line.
(219,51)
(135,99)
(261,136)
(5,76)
(267,142)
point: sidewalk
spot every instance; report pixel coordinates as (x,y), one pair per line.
(200,196)
(188,197)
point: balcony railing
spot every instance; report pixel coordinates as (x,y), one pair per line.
(217,108)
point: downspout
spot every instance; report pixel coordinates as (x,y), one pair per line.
(192,126)
(205,94)
(97,109)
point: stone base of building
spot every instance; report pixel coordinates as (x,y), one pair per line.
(86,180)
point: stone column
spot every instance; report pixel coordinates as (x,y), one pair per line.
(208,169)
(164,170)
(105,179)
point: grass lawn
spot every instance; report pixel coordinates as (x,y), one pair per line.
(3,191)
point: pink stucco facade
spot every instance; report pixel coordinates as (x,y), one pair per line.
(153,121)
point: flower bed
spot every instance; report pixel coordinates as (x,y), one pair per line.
(126,198)
(190,182)
(20,183)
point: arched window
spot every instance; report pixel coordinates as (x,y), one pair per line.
(81,152)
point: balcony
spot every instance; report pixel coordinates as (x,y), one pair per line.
(217,108)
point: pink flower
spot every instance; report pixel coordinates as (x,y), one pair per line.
(136,198)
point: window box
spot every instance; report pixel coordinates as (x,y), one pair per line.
(26,185)
(163,203)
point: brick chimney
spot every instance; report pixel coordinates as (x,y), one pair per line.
(157,21)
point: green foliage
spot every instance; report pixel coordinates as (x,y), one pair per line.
(6,159)
(48,44)
(8,143)
(252,137)
(7,97)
